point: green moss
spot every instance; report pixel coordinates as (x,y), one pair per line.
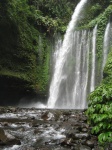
(53,16)
(99,14)
(100,106)
(100,101)
(108,70)
(22,22)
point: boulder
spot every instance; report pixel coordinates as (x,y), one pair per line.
(8,139)
(47,116)
(90,143)
(110,145)
(12,109)
(65,142)
(84,130)
(81,135)
(84,147)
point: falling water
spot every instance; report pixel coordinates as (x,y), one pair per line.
(106,45)
(58,44)
(85,73)
(93,59)
(60,79)
(81,71)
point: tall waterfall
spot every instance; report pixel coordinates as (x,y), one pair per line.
(80,74)
(106,45)
(59,85)
(75,67)
(93,59)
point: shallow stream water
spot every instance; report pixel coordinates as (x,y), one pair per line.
(43,129)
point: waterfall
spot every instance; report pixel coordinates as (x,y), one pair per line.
(106,45)
(58,45)
(93,59)
(60,80)
(81,71)
(74,69)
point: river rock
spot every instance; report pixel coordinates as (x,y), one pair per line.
(67,113)
(1,109)
(12,109)
(110,145)
(84,147)
(83,142)
(4,124)
(80,147)
(90,143)
(84,130)
(72,132)
(47,116)
(81,135)
(65,142)
(8,139)
(84,118)
(52,129)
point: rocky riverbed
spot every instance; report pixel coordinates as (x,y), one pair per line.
(42,129)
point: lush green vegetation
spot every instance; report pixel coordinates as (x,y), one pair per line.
(23,56)
(100,106)
(53,15)
(18,37)
(100,101)
(94,10)
(27,29)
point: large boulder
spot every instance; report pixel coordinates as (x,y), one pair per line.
(8,139)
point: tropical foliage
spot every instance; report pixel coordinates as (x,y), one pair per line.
(100,106)
(22,24)
(27,29)
(53,15)
(100,101)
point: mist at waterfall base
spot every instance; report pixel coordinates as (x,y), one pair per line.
(36,101)
(74,66)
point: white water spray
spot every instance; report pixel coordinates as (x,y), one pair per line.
(86,73)
(81,71)
(106,45)
(93,59)
(59,73)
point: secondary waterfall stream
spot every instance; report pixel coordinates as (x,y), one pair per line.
(106,45)
(93,59)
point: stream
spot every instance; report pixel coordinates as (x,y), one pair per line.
(43,129)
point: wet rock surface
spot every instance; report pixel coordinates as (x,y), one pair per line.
(42,129)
